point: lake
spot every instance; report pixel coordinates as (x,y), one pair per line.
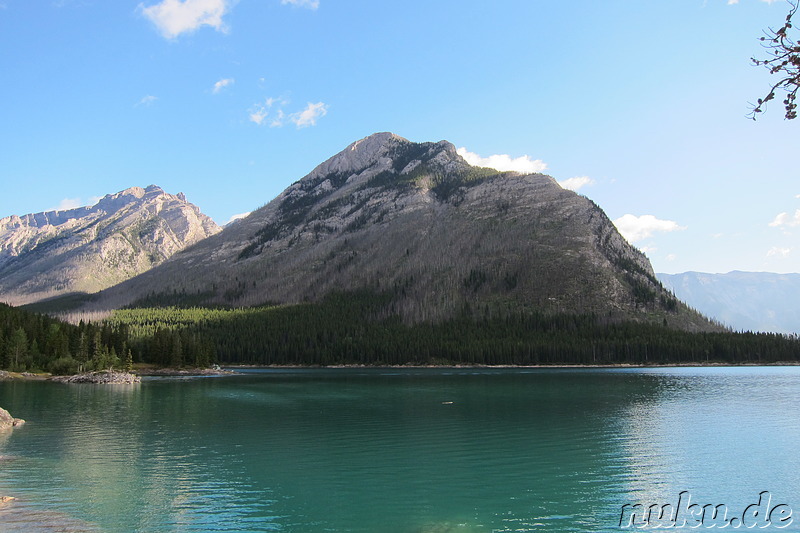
(405,451)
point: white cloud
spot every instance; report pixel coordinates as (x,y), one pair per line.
(504,162)
(147,100)
(277,122)
(784,219)
(309,116)
(302,119)
(259,112)
(67,203)
(221,84)
(72,203)
(258,115)
(174,17)
(775,251)
(311,4)
(234,218)
(573,184)
(635,228)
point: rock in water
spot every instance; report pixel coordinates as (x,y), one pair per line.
(7,421)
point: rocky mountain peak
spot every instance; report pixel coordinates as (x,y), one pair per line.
(362,154)
(91,248)
(380,153)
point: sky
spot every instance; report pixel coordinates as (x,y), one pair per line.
(639,105)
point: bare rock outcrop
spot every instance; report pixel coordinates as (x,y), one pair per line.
(7,421)
(101,378)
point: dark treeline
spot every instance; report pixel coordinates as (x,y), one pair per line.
(344,329)
(33,342)
(352,328)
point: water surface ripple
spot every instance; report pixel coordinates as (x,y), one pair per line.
(396,451)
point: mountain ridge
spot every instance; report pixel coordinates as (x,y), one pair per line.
(745,301)
(87,249)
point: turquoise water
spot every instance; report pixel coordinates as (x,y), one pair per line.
(397,451)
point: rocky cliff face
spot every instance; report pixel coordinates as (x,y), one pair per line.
(419,223)
(91,248)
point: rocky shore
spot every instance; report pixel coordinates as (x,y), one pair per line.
(104,377)
(7,421)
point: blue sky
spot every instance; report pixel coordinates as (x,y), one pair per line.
(641,105)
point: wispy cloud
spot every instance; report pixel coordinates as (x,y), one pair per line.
(576,183)
(636,228)
(733,2)
(221,84)
(67,203)
(273,109)
(174,17)
(72,203)
(277,121)
(310,4)
(147,100)
(785,219)
(234,218)
(309,115)
(504,162)
(777,251)
(259,112)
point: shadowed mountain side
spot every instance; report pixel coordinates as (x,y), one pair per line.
(417,222)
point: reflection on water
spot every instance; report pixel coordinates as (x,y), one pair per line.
(18,516)
(395,451)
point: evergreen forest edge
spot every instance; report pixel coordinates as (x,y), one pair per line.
(352,329)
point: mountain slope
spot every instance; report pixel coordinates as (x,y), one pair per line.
(417,222)
(88,249)
(746,301)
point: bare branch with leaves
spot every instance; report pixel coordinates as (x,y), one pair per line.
(783,59)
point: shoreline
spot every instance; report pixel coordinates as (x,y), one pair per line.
(232,370)
(556,365)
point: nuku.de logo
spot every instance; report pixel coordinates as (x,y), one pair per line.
(684,514)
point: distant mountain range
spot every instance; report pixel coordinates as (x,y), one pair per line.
(87,249)
(745,301)
(438,237)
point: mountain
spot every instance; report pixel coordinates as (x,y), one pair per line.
(745,301)
(416,222)
(88,249)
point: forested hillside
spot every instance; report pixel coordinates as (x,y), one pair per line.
(350,328)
